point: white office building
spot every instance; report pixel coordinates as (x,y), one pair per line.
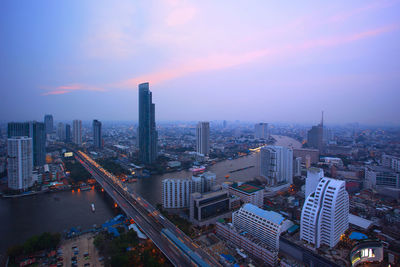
(77,131)
(261,131)
(276,165)
(20,163)
(314,175)
(176,193)
(391,162)
(203,138)
(297,166)
(325,214)
(261,224)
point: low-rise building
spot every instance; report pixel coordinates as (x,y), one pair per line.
(207,208)
(248,193)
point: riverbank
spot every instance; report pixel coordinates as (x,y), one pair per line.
(151,188)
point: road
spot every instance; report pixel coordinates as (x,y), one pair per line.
(145,215)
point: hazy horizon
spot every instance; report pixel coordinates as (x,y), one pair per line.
(269,62)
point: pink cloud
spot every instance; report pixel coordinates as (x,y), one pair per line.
(65,89)
(223,61)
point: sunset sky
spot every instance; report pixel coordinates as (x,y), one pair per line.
(272,61)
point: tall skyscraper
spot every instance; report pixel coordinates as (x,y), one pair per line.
(276,165)
(61,131)
(261,131)
(34,130)
(147,126)
(48,122)
(203,137)
(20,155)
(325,213)
(97,140)
(77,129)
(67,133)
(315,136)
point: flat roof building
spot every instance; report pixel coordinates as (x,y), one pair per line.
(248,193)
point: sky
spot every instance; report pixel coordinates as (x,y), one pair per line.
(271,61)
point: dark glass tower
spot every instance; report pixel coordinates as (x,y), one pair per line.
(147,126)
(67,133)
(48,122)
(97,142)
(34,130)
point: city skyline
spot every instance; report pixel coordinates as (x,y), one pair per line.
(311,58)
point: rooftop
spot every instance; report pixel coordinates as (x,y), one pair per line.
(271,216)
(247,188)
(358,221)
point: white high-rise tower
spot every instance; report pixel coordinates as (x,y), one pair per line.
(203,138)
(77,131)
(314,175)
(276,165)
(20,163)
(325,214)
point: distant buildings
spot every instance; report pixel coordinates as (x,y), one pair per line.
(255,230)
(315,136)
(384,180)
(391,162)
(61,131)
(77,129)
(147,126)
(67,133)
(48,122)
(276,165)
(261,131)
(176,192)
(20,163)
(34,130)
(312,154)
(297,166)
(203,138)
(248,193)
(314,175)
(97,139)
(325,214)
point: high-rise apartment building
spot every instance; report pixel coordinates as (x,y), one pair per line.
(48,122)
(314,175)
(97,139)
(147,126)
(67,133)
(315,136)
(276,165)
(34,130)
(261,131)
(261,224)
(203,137)
(176,193)
(61,131)
(297,167)
(325,213)
(20,163)
(77,130)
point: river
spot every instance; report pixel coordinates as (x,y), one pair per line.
(150,188)
(20,218)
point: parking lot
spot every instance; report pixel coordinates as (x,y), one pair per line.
(80,251)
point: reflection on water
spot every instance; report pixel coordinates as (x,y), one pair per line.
(21,218)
